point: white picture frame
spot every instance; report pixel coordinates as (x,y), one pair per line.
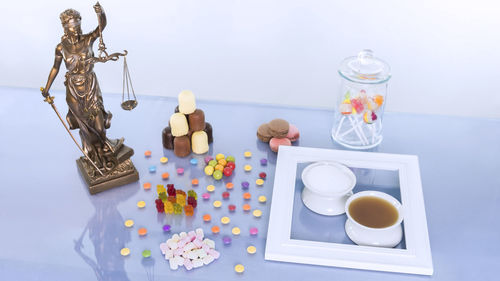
(415,259)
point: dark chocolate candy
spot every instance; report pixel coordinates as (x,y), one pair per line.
(197,120)
(168,139)
(208,130)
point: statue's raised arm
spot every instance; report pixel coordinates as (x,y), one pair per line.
(101,21)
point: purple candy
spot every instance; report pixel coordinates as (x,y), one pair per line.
(166,228)
(208,159)
(226,240)
(245,185)
(263,161)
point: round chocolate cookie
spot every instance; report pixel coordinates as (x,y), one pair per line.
(279,128)
(263,133)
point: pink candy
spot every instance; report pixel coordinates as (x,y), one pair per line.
(254,231)
(213,253)
(205,196)
(180,171)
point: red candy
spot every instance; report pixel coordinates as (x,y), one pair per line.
(358,105)
(159,206)
(231,165)
(171,190)
(192,201)
(231,207)
(263,175)
(227,171)
(225,195)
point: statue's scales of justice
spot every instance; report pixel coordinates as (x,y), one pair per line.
(105,162)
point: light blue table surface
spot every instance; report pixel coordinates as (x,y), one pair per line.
(51,228)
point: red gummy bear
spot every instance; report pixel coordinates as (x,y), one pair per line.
(192,201)
(160,207)
(171,190)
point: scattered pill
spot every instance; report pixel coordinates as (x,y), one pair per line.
(146,253)
(219,167)
(212,163)
(257,213)
(147,153)
(217,204)
(219,156)
(165,175)
(215,229)
(251,250)
(222,162)
(229,185)
(209,170)
(205,196)
(236,231)
(247,154)
(231,208)
(246,207)
(262,175)
(227,240)
(247,195)
(125,252)
(141,204)
(208,159)
(225,195)
(245,185)
(166,228)
(259,182)
(147,185)
(210,188)
(239,268)
(262,199)
(225,220)
(254,231)
(247,168)
(142,231)
(163,160)
(193,161)
(129,223)
(263,161)
(180,171)
(230,159)
(207,217)
(152,169)
(195,182)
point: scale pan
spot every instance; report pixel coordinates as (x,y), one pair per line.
(129,105)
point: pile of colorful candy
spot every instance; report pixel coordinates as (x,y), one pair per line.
(362,104)
(220,166)
(187,130)
(174,201)
(278,132)
(189,250)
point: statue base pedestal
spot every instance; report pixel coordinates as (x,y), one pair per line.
(125,173)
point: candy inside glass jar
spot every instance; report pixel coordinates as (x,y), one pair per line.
(361,101)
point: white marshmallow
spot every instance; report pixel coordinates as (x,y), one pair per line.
(208,259)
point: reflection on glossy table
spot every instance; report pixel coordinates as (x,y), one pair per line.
(53,229)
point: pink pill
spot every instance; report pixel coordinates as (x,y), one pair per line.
(198,243)
(254,231)
(180,171)
(214,253)
(188,264)
(205,196)
(205,247)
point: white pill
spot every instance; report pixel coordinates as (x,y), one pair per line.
(163,247)
(197,263)
(188,264)
(176,237)
(199,232)
(173,264)
(208,259)
(210,243)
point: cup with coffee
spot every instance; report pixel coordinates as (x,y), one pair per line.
(374,219)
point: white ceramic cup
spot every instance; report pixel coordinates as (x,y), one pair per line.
(327,186)
(368,236)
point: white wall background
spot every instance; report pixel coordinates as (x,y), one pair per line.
(445,55)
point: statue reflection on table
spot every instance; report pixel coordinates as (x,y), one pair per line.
(106,162)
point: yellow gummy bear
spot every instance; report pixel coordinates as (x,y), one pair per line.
(160,188)
(181,200)
(169,207)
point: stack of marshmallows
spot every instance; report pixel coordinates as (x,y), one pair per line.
(190,250)
(188,130)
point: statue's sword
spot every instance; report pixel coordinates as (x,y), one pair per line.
(50,100)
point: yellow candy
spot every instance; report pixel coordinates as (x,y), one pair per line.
(160,188)
(247,168)
(181,200)
(251,250)
(239,268)
(219,167)
(217,204)
(125,252)
(378,99)
(224,220)
(141,204)
(210,188)
(209,170)
(247,154)
(236,231)
(262,199)
(257,213)
(129,223)
(259,182)
(163,160)
(219,156)
(222,162)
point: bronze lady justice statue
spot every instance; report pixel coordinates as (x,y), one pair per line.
(107,162)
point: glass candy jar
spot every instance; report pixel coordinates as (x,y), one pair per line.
(361,101)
